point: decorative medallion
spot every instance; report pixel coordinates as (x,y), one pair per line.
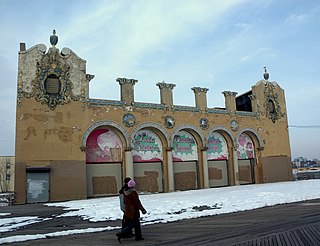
(234,125)
(204,123)
(129,120)
(169,122)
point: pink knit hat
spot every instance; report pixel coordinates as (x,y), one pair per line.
(131,183)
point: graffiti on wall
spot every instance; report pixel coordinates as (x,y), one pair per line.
(184,147)
(103,145)
(217,147)
(245,147)
(147,147)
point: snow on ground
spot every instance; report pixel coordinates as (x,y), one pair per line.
(168,207)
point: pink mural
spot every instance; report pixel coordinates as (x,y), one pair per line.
(103,145)
(147,147)
(245,147)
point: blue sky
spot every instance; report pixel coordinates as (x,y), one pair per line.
(221,45)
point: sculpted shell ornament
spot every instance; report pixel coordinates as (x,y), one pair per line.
(53,86)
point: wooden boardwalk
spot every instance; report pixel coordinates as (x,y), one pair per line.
(294,224)
(309,235)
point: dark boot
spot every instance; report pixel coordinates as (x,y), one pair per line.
(119,235)
(139,238)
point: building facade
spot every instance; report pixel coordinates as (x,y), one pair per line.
(7,173)
(70,146)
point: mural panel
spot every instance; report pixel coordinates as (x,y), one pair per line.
(217,147)
(103,145)
(245,147)
(184,147)
(147,147)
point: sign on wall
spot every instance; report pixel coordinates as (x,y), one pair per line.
(217,147)
(245,147)
(184,147)
(147,147)
(103,145)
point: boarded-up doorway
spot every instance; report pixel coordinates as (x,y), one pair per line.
(149,176)
(218,173)
(186,175)
(246,171)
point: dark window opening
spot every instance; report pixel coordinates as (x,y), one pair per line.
(271,107)
(243,102)
(52,85)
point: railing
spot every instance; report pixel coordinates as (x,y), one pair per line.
(6,198)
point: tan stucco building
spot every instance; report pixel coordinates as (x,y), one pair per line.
(70,146)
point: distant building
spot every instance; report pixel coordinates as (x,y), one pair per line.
(70,146)
(7,173)
(302,162)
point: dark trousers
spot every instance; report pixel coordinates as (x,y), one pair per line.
(129,225)
(123,226)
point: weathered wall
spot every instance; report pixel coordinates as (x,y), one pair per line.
(277,169)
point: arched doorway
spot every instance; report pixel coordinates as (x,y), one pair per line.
(185,161)
(147,156)
(103,162)
(245,152)
(217,156)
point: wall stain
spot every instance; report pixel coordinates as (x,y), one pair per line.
(63,133)
(58,117)
(31,131)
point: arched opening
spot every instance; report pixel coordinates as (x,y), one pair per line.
(104,154)
(271,107)
(246,155)
(147,155)
(217,157)
(185,161)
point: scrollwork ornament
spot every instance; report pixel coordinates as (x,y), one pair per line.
(271,97)
(50,65)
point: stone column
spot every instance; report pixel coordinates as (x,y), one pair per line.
(230,101)
(166,94)
(127,90)
(200,97)
(236,167)
(205,168)
(129,162)
(170,170)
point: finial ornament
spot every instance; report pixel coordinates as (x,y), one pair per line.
(266,74)
(54,38)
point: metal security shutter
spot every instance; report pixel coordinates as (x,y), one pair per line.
(37,187)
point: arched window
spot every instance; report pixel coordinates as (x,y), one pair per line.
(271,107)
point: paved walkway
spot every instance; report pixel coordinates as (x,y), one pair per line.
(290,224)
